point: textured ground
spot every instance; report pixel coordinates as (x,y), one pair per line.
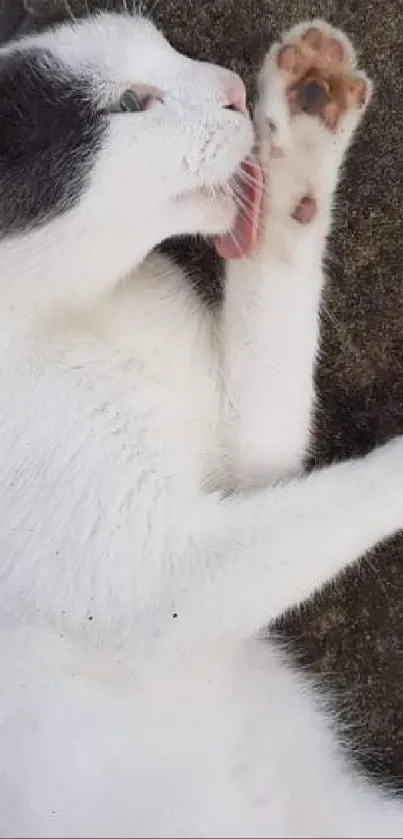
(353,634)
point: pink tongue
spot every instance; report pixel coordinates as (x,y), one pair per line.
(243,236)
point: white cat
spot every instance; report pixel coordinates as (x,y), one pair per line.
(136,699)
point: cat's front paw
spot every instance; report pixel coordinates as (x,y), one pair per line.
(312,97)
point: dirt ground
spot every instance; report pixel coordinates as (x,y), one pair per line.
(352,635)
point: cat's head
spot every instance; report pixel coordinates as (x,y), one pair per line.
(109,138)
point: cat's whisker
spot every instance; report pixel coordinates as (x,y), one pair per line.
(243,204)
(244,211)
(69,10)
(235,240)
(150,12)
(212,192)
(246,177)
(243,198)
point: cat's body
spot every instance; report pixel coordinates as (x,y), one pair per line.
(133,698)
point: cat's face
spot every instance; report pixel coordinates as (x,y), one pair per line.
(104,120)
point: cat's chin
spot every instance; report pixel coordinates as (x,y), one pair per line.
(210,210)
(229,213)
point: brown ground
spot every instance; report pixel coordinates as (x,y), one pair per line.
(353,634)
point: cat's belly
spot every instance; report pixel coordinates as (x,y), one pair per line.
(188,742)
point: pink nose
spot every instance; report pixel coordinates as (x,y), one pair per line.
(235,94)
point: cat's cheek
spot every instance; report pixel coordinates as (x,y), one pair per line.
(211,153)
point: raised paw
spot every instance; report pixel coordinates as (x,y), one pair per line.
(319,65)
(312,98)
(312,71)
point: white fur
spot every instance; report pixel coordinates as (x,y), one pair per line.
(134,700)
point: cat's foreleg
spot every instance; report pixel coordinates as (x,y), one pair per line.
(311,101)
(256,553)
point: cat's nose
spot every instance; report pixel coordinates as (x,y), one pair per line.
(235,94)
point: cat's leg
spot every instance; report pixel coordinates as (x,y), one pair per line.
(256,553)
(311,100)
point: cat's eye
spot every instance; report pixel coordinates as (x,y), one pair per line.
(136,100)
(129,102)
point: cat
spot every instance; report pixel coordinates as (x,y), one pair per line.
(155,510)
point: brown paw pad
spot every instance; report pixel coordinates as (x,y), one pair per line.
(326,45)
(305,211)
(310,96)
(322,81)
(290,60)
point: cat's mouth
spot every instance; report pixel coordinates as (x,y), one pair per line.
(246,186)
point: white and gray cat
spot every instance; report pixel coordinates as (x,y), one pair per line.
(154,513)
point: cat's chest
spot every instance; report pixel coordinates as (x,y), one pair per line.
(102,442)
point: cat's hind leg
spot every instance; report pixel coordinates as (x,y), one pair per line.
(312,98)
